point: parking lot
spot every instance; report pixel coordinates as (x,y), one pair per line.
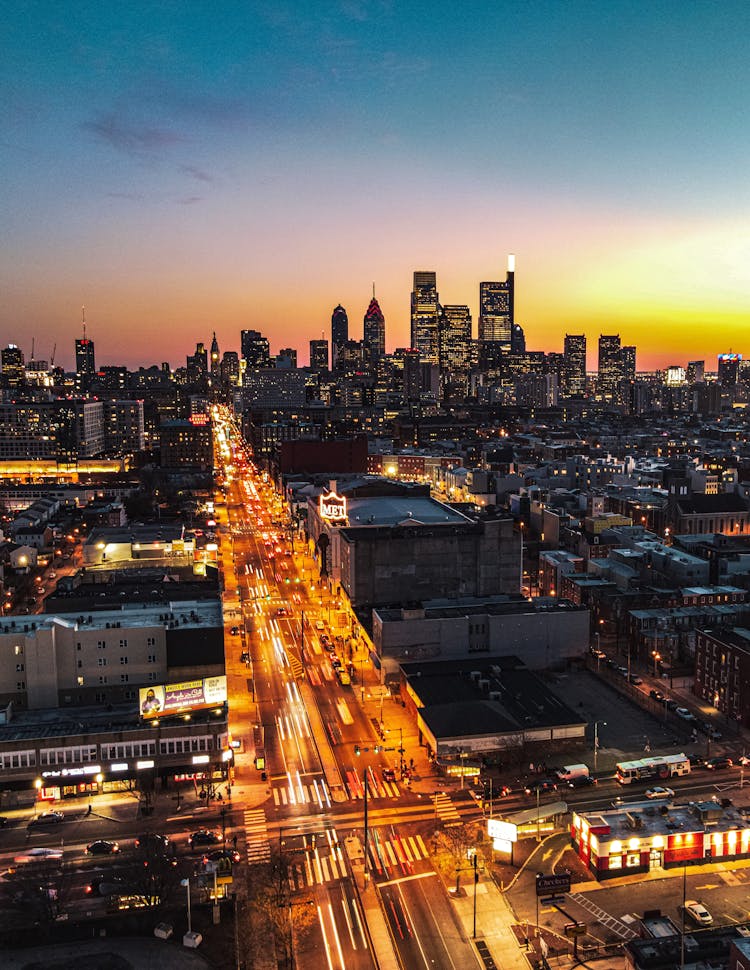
(625,729)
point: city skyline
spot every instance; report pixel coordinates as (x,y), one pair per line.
(253,171)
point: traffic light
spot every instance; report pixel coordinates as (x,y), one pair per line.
(375,748)
(356,749)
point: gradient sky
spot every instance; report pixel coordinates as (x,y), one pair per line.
(184,167)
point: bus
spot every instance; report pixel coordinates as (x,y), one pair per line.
(660,766)
(259,744)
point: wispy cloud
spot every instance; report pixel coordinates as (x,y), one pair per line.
(131,138)
(189,199)
(196,173)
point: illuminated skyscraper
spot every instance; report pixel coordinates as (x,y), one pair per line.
(215,361)
(496,306)
(374,329)
(728,369)
(319,354)
(339,332)
(610,366)
(425,304)
(255,350)
(574,364)
(85,361)
(454,338)
(13,370)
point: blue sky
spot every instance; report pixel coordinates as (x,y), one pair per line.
(185,167)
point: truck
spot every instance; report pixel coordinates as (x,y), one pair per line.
(569,773)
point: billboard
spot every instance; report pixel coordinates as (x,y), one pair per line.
(162,700)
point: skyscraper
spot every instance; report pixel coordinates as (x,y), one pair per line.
(197,366)
(255,349)
(374,329)
(454,338)
(610,366)
(339,332)
(574,365)
(496,307)
(85,361)
(13,371)
(425,304)
(728,369)
(319,354)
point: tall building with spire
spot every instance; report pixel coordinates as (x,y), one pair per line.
(339,332)
(215,361)
(85,360)
(374,329)
(425,310)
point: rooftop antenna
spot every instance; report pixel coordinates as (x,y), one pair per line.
(373,290)
(83,317)
(32,348)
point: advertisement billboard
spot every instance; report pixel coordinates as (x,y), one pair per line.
(162,700)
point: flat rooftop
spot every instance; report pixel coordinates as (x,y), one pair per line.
(183,613)
(394,509)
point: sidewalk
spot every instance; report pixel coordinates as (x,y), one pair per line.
(494,923)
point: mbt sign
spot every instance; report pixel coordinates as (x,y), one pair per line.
(332,507)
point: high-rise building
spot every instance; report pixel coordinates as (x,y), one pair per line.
(319,354)
(728,369)
(411,371)
(454,338)
(255,350)
(695,371)
(627,355)
(374,329)
(574,366)
(13,369)
(85,360)
(610,366)
(339,332)
(215,361)
(197,366)
(287,358)
(425,304)
(496,307)
(230,368)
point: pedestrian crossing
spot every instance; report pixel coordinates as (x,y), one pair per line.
(299,793)
(256,833)
(298,671)
(445,810)
(318,863)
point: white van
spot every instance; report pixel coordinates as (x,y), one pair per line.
(569,773)
(320,625)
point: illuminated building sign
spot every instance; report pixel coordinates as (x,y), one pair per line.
(161,701)
(332,507)
(199,420)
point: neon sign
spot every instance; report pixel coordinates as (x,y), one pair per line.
(332,507)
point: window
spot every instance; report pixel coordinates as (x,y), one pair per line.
(632,859)
(101,644)
(123,644)
(102,661)
(152,675)
(18,650)
(80,681)
(19,668)
(123,660)
(615,862)
(80,663)
(78,646)
(102,680)
(150,641)
(151,658)
(20,685)
(123,678)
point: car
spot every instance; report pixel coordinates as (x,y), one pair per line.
(204,837)
(219,855)
(718,762)
(335,663)
(105,885)
(599,654)
(698,912)
(282,611)
(656,695)
(389,774)
(713,732)
(696,761)
(684,713)
(580,781)
(103,847)
(245,657)
(622,671)
(659,792)
(671,705)
(47,818)
(235,631)
(3,821)
(541,786)
(320,625)
(153,841)
(636,680)
(38,855)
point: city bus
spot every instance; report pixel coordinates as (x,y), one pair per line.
(259,744)
(660,766)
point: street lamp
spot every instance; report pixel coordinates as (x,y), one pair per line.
(596,741)
(657,657)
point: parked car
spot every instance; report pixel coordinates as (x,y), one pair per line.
(580,781)
(219,855)
(235,631)
(684,713)
(636,680)
(103,847)
(656,695)
(204,837)
(671,705)
(698,912)
(105,884)
(696,761)
(152,841)
(659,792)
(718,762)
(47,818)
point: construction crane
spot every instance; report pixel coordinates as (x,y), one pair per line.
(52,358)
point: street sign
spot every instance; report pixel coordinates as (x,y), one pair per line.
(575,929)
(497,829)
(554,884)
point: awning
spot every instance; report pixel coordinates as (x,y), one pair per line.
(530,814)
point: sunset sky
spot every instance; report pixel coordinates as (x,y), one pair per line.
(183,167)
